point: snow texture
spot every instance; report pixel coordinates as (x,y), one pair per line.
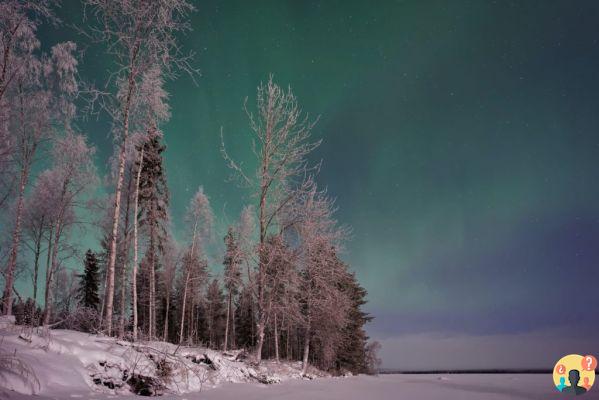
(63,362)
(384,387)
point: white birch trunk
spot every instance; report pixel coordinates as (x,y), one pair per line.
(135,254)
(16,240)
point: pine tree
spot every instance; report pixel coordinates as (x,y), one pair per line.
(215,313)
(245,321)
(153,205)
(351,353)
(88,286)
(200,324)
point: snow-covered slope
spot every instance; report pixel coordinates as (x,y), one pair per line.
(67,363)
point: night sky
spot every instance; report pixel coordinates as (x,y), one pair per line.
(461,140)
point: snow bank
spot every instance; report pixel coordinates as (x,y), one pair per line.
(65,362)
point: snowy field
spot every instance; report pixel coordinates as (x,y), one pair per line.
(399,387)
(62,364)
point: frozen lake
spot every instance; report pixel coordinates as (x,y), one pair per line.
(408,387)
(397,387)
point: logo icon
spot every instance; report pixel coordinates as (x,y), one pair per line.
(574,374)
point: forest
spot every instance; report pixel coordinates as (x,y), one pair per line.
(280,289)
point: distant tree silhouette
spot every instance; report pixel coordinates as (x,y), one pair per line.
(88,284)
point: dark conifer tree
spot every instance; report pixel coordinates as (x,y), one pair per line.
(153,205)
(88,286)
(201,322)
(215,313)
(352,351)
(245,321)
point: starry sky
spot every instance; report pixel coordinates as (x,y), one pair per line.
(460,139)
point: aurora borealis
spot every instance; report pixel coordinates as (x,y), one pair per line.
(460,139)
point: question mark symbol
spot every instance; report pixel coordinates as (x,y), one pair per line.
(561,369)
(589,363)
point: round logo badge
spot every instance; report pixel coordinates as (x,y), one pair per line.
(575,374)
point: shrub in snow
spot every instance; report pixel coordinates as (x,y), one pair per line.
(17,375)
(83,319)
(164,370)
(145,385)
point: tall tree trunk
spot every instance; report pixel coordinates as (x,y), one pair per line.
(122,301)
(125,259)
(264,185)
(252,325)
(183,307)
(187,276)
(306,352)
(152,305)
(260,339)
(168,303)
(227,323)
(261,271)
(191,329)
(261,323)
(287,345)
(38,245)
(50,274)
(109,292)
(276,339)
(16,241)
(134,277)
(48,261)
(233,339)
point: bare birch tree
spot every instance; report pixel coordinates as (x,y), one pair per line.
(73,173)
(37,222)
(141,36)
(41,99)
(280,134)
(199,214)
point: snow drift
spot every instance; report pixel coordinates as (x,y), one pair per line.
(38,361)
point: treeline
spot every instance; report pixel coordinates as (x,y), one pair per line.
(282,290)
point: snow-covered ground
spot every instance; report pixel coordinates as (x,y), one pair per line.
(384,387)
(73,365)
(69,364)
(400,387)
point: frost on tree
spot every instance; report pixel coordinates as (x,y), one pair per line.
(141,39)
(36,100)
(281,133)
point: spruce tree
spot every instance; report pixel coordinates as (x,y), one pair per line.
(153,205)
(215,313)
(245,321)
(352,351)
(88,286)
